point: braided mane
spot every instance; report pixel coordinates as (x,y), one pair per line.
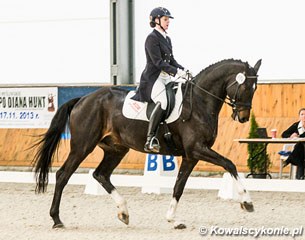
(225,61)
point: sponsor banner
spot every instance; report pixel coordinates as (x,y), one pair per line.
(27,107)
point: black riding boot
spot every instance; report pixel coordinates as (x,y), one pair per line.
(152,143)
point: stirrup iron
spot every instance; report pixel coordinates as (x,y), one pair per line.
(154,145)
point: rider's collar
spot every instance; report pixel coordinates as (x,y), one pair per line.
(160,31)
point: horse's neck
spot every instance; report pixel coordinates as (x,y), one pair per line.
(215,80)
(215,83)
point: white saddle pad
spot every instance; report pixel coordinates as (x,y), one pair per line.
(137,110)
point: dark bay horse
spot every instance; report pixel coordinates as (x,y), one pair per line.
(96,119)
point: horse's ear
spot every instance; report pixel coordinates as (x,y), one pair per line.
(257,65)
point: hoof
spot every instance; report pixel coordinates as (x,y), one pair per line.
(247,206)
(58,225)
(179,225)
(124,218)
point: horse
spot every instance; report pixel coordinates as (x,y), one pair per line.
(96,120)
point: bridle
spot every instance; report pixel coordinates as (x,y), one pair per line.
(228,100)
(233,103)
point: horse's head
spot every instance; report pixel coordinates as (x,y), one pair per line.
(240,89)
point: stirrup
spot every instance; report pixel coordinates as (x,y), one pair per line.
(154,145)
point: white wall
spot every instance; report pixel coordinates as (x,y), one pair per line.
(68,41)
(205,32)
(54,41)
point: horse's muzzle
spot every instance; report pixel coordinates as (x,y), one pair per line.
(241,115)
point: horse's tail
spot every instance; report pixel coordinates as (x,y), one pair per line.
(49,143)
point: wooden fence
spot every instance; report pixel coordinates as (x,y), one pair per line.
(274,105)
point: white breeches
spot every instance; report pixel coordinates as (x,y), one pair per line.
(158,93)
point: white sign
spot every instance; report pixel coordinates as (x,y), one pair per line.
(277,40)
(156,167)
(27,107)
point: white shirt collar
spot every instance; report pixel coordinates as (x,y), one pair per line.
(301,129)
(160,31)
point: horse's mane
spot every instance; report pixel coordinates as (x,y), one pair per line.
(225,61)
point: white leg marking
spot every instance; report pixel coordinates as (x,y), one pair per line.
(243,194)
(120,201)
(170,215)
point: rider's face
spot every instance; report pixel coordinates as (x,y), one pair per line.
(164,22)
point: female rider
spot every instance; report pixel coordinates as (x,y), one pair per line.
(160,66)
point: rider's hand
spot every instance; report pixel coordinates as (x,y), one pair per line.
(181,73)
(294,135)
(189,74)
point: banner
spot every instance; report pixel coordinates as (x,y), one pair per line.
(27,107)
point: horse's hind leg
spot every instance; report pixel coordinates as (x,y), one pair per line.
(62,177)
(112,157)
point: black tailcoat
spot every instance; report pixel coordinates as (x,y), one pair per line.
(159,57)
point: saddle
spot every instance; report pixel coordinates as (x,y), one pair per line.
(133,109)
(171,89)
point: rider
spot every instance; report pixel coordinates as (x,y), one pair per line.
(160,66)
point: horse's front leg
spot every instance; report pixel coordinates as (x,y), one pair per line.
(211,156)
(185,170)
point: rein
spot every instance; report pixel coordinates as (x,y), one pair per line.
(211,94)
(232,102)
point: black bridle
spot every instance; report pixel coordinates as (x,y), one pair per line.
(232,101)
(228,100)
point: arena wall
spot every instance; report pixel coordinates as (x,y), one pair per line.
(274,105)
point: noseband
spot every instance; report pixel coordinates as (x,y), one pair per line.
(233,103)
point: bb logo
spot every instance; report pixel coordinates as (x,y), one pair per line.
(167,162)
(157,167)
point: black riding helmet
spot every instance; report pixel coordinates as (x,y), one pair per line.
(158,13)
